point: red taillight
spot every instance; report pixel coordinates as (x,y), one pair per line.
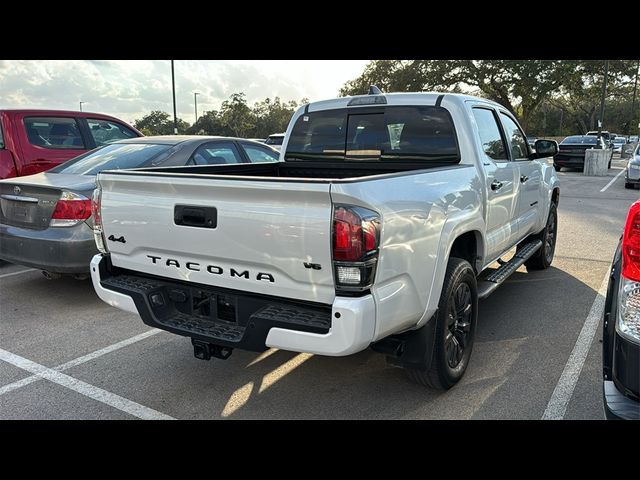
(355,247)
(348,240)
(631,244)
(71,209)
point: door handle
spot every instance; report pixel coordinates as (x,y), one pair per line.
(195,216)
(496,185)
(523,178)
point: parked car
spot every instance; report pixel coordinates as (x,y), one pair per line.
(618,144)
(32,141)
(633,139)
(632,171)
(572,151)
(275,140)
(621,326)
(604,134)
(45,219)
(379,228)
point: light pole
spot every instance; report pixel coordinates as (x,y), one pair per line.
(81,105)
(604,93)
(195,103)
(173,89)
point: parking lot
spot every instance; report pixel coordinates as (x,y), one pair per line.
(64,354)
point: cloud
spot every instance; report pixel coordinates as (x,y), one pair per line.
(129,89)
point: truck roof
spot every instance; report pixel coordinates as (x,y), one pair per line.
(43,111)
(399,98)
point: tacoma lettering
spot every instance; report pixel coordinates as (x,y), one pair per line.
(213,269)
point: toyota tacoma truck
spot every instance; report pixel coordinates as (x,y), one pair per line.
(387,217)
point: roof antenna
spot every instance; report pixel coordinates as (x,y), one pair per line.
(373,90)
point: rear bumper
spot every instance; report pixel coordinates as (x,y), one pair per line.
(632,176)
(617,406)
(569,161)
(238,319)
(59,250)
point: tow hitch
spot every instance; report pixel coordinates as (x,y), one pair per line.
(205,350)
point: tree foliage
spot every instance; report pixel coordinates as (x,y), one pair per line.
(522,86)
(235,118)
(159,123)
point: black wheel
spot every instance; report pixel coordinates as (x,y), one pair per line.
(544,256)
(455,328)
(557,167)
(609,166)
(628,185)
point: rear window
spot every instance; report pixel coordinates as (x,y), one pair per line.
(112,157)
(581,139)
(391,133)
(277,140)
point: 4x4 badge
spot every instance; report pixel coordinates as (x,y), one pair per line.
(114,239)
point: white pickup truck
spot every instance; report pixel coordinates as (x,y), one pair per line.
(380,227)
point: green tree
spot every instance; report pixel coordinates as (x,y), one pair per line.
(272,116)
(236,118)
(208,124)
(519,85)
(159,123)
(523,86)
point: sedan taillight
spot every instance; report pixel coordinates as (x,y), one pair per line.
(71,209)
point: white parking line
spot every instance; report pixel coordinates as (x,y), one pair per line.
(80,360)
(557,406)
(17,273)
(83,388)
(604,189)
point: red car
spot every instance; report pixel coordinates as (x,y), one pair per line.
(32,141)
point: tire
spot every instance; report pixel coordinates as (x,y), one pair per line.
(544,256)
(456,320)
(628,185)
(609,166)
(557,167)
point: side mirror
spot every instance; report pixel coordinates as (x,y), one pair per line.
(545,148)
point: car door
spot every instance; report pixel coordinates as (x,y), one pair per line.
(530,176)
(47,141)
(502,182)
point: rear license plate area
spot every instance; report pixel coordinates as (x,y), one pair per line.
(195,302)
(18,211)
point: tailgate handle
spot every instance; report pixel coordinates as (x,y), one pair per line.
(195,216)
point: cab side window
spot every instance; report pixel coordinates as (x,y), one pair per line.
(517,140)
(54,132)
(218,153)
(104,131)
(490,136)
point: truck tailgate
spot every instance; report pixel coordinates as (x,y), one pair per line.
(264,233)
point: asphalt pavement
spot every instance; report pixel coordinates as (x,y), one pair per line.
(64,354)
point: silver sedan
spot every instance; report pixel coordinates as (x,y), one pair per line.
(45,219)
(632,173)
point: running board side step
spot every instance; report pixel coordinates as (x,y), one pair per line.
(487,284)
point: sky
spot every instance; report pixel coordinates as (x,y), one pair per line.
(129,89)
